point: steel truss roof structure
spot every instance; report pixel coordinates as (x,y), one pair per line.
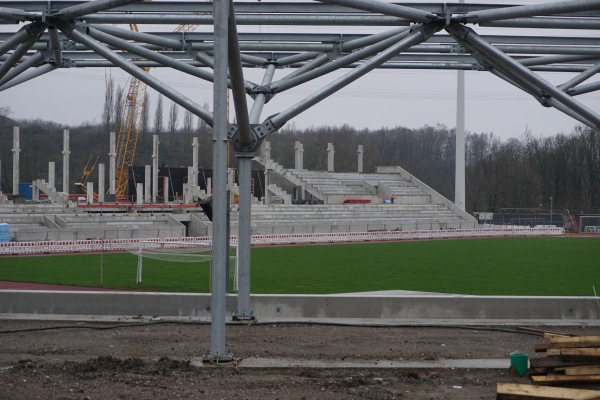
(75,34)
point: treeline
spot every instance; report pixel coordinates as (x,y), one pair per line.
(514,173)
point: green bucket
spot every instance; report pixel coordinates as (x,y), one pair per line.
(520,362)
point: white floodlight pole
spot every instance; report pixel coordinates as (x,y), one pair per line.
(459,174)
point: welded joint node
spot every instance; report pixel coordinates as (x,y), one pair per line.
(264,129)
(458,30)
(233,134)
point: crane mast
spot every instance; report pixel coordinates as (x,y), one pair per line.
(131,119)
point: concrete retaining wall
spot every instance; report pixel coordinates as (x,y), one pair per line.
(303,306)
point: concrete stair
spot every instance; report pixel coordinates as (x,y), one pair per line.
(52,194)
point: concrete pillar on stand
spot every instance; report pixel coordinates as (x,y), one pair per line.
(166,189)
(267,154)
(35,191)
(139,194)
(16,150)
(90,192)
(66,153)
(101,183)
(155,144)
(147,183)
(330,157)
(298,155)
(195,147)
(360,158)
(51,175)
(112,166)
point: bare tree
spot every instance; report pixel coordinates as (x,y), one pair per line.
(120,110)
(5,111)
(173,122)
(145,120)
(158,116)
(108,112)
(188,128)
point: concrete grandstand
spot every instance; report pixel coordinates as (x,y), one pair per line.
(297,201)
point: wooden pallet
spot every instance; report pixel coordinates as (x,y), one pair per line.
(517,391)
(569,360)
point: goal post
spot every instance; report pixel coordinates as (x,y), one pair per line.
(182,252)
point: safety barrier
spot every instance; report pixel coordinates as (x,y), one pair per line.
(88,246)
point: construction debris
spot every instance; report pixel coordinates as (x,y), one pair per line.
(517,391)
(569,360)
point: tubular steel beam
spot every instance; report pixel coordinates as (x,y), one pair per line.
(560,7)
(420,34)
(78,36)
(24,34)
(16,56)
(128,34)
(583,89)
(22,67)
(149,54)
(381,7)
(580,78)
(90,8)
(546,23)
(236,73)
(55,46)
(522,72)
(320,60)
(321,20)
(261,98)
(28,75)
(339,63)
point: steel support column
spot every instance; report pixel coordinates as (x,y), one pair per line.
(220,241)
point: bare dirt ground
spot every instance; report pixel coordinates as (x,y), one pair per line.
(153,361)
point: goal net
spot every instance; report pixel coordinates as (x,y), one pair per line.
(182,252)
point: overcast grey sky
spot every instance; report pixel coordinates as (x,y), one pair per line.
(384,98)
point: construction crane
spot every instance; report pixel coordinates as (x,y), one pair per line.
(131,118)
(87,171)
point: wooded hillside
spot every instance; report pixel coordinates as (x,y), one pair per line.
(513,173)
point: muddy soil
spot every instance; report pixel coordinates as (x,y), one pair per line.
(68,360)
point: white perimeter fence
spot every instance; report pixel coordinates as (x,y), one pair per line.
(74,246)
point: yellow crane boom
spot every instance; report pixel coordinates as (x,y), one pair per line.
(131,118)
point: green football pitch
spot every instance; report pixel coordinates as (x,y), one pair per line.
(549,266)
